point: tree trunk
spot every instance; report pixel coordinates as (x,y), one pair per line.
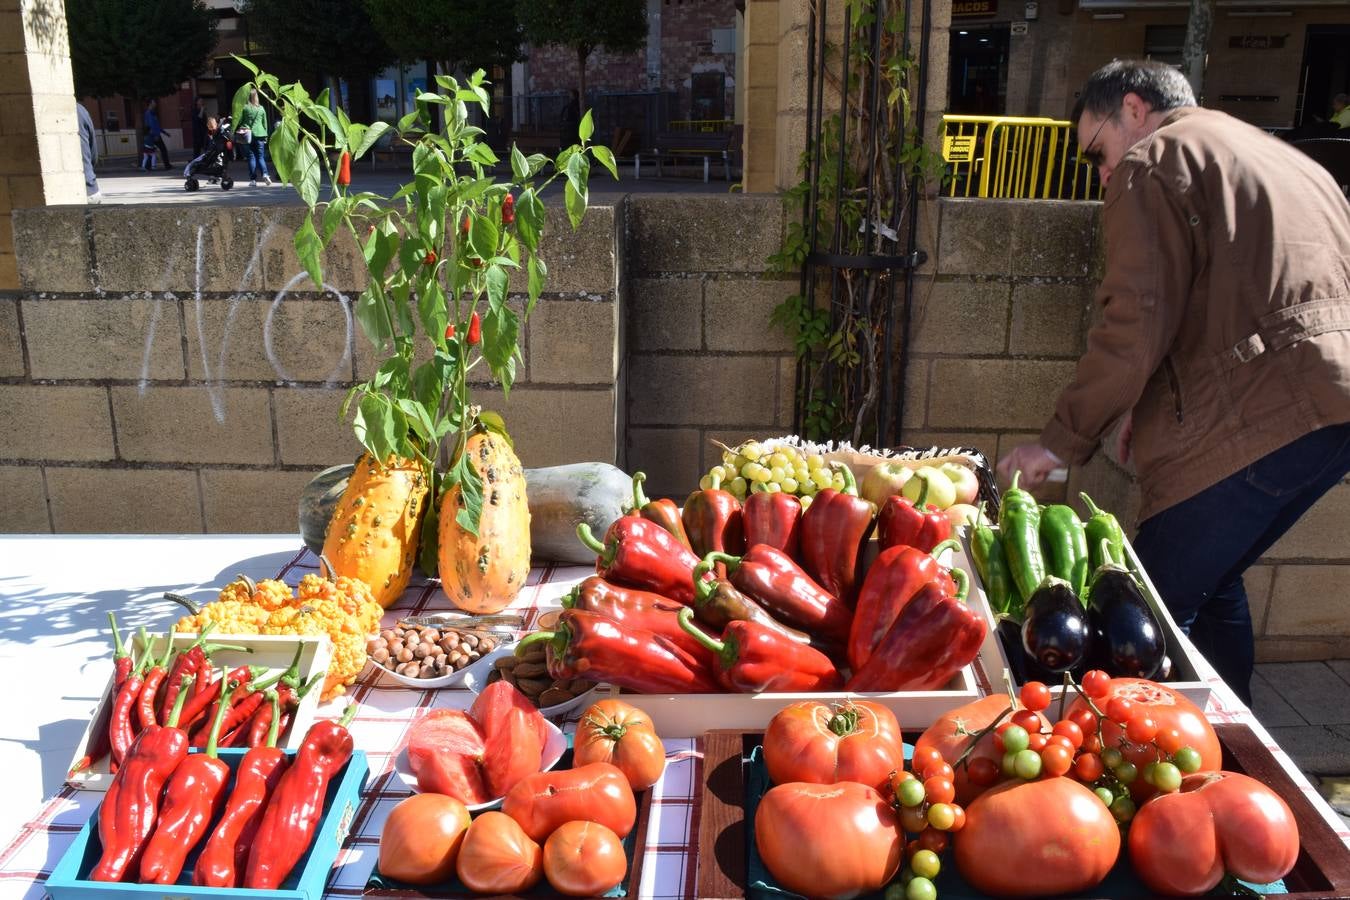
(1196,47)
(334,92)
(583,53)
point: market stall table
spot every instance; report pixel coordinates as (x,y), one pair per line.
(55,656)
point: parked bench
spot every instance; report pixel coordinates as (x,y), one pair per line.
(704,146)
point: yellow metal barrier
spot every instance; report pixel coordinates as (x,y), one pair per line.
(1015,157)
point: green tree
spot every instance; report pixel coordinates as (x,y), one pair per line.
(467,34)
(335,38)
(584,26)
(138,48)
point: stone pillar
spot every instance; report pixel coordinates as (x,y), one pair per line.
(760,89)
(40,162)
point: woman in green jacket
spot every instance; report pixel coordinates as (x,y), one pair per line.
(254,118)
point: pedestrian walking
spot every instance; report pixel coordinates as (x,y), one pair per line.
(89,151)
(154,133)
(251,131)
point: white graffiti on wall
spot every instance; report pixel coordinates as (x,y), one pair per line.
(214,374)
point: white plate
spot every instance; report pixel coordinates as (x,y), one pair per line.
(478,680)
(554,748)
(478,668)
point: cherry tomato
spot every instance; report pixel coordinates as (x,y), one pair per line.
(1169,740)
(1085,719)
(911,792)
(1037,742)
(1088,767)
(1119,710)
(1187,759)
(1031,721)
(1071,730)
(939,790)
(1096,683)
(942,816)
(982,771)
(1035,696)
(1062,741)
(959,818)
(1014,738)
(1092,744)
(941,770)
(925,864)
(925,757)
(1141,728)
(913,819)
(1056,760)
(932,839)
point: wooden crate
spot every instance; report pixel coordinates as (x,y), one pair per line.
(1322,871)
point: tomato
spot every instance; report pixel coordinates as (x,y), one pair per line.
(1056,760)
(1096,683)
(815,742)
(597,792)
(498,857)
(828,840)
(1035,696)
(1036,839)
(616,732)
(1219,822)
(1169,711)
(444,748)
(951,735)
(1071,730)
(421,838)
(584,859)
(511,751)
(497,698)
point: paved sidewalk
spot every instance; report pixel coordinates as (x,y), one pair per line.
(1306,708)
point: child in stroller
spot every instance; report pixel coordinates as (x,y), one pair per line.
(213,164)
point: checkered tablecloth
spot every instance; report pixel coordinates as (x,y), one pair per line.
(388,710)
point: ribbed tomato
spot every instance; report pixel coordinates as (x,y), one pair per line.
(616,732)
(584,859)
(598,792)
(421,838)
(828,840)
(952,733)
(815,742)
(498,857)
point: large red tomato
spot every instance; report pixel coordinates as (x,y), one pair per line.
(498,857)
(828,840)
(584,859)
(1037,839)
(952,733)
(1169,710)
(1219,822)
(815,742)
(616,732)
(421,838)
(598,792)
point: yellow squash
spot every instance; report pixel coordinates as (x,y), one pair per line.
(485,573)
(373,534)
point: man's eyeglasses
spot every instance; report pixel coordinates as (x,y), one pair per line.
(1094,154)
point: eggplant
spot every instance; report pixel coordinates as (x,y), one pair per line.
(1128,640)
(1055,633)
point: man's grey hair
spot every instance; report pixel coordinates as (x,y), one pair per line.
(1159,85)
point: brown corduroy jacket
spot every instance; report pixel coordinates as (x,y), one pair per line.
(1225,307)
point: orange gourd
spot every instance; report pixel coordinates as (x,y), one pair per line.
(483,574)
(374,532)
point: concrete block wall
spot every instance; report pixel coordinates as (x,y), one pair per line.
(170,369)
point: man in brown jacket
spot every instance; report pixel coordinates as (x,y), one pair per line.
(1224,344)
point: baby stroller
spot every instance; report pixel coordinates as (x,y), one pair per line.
(213,164)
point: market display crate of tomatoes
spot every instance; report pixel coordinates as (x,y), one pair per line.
(1127,791)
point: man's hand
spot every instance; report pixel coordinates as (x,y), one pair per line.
(1033,461)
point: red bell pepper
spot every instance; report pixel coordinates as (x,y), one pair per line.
(192,798)
(718,603)
(637,609)
(894,577)
(642,554)
(751,658)
(662,511)
(787,592)
(914,524)
(130,808)
(932,639)
(292,816)
(773,518)
(834,529)
(587,645)
(712,519)
(223,859)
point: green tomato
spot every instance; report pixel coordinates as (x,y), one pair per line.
(894,891)
(1187,759)
(926,864)
(1123,808)
(910,792)
(1166,777)
(1111,757)
(1125,772)
(920,888)
(1015,738)
(1104,795)
(1027,765)
(1009,765)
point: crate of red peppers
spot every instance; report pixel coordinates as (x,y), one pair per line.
(148,672)
(262,822)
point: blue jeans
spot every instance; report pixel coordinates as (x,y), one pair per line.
(257,158)
(1196,551)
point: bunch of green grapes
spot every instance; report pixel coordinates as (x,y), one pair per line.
(754,467)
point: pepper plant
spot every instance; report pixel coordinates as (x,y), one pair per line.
(439,254)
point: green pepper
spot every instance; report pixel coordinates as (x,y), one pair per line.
(1019,524)
(1103,527)
(986,550)
(1064,543)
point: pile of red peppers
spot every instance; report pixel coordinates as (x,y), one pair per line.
(763,596)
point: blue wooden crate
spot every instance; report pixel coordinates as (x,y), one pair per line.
(70,881)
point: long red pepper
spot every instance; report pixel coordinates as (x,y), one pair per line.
(243,709)
(122,726)
(190,661)
(129,810)
(636,609)
(894,577)
(773,518)
(145,702)
(642,554)
(663,512)
(100,736)
(293,813)
(751,658)
(222,861)
(191,800)
(255,730)
(590,646)
(935,635)
(713,521)
(914,524)
(787,592)
(202,707)
(833,530)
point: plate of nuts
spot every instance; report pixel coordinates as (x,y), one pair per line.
(433,656)
(529,673)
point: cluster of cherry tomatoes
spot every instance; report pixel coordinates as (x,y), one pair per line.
(925,795)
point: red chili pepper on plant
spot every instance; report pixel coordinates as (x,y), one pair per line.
(202,705)
(642,554)
(430,258)
(508,209)
(892,581)
(464,225)
(833,530)
(130,808)
(663,512)
(750,659)
(191,800)
(475,329)
(344,172)
(449,332)
(222,860)
(914,524)
(292,816)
